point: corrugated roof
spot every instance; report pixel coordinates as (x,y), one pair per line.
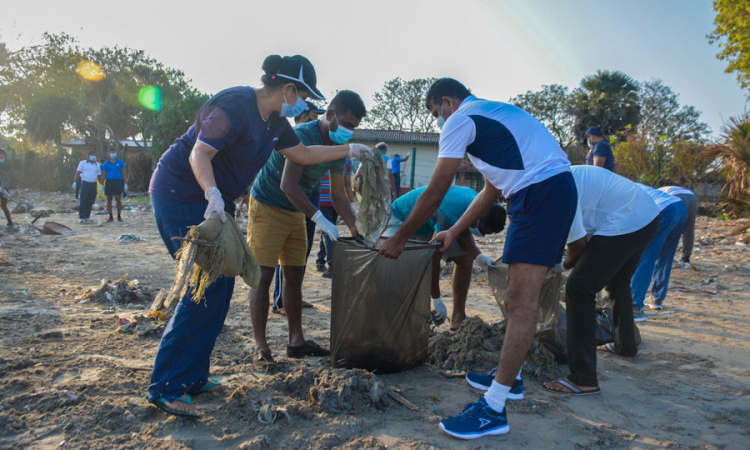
(123,143)
(403,137)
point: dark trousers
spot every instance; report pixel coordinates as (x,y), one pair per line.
(277,303)
(6,211)
(688,236)
(182,361)
(397,182)
(88,197)
(325,254)
(607,261)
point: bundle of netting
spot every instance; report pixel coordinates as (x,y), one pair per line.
(375,207)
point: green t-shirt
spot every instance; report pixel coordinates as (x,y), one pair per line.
(267,186)
(454,205)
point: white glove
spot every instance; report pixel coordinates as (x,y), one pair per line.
(6,193)
(74,185)
(125,188)
(215,204)
(440,308)
(484,261)
(355,209)
(326,225)
(355,150)
(101,189)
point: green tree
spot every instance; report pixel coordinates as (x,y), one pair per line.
(553,106)
(608,100)
(664,121)
(732,35)
(399,105)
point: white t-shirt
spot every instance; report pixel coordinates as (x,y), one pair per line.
(608,204)
(89,170)
(676,190)
(662,199)
(506,144)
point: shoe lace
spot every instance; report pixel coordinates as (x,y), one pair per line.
(469,410)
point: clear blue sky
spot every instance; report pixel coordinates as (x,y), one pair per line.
(498,48)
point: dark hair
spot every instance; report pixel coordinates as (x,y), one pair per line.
(381,146)
(2,150)
(494,218)
(271,66)
(445,87)
(347,101)
(92,152)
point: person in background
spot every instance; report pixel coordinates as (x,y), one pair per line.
(4,194)
(199,176)
(328,209)
(88,172)
(396,163)
(310,114)
(115,176)
(600,153)
(276,231)
(688,236)
(383,148)
(463,252)
(615,220)
(656,261)
(520,160)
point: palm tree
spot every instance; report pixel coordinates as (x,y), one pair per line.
(734,152)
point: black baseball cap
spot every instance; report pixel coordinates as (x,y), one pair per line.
(312,107)
(595,131)
(299,69)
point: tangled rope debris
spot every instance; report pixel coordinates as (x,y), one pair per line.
(375,208)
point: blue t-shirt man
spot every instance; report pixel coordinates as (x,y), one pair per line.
(231,124)
(396,164)
(267,186)
(454,205)
(113,169)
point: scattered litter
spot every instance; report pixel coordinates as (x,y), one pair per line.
(56,229)
(130,238)
(23,208)
(141,324)
(121,292)
(339,390)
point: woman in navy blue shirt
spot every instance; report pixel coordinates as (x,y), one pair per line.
(202,174)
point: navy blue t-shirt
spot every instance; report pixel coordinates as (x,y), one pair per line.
(231,124)
(602,149)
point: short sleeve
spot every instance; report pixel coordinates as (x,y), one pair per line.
(222,122)
(577,229)
(98,169)
(79,169)
(458,133)
(121,164)
(602,150)
(288,138)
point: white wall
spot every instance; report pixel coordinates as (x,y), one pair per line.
(425,161)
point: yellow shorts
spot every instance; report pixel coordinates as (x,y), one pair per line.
(275,235)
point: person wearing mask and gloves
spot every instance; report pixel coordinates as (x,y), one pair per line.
(114,174)
(88,172)
(200,175)
(463,252)
(276,231)
(4,194)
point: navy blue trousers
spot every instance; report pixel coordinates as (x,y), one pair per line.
(184,355)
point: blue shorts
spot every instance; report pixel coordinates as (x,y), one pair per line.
(540,218)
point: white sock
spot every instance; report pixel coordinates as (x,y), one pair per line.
(496,396)
(518,377)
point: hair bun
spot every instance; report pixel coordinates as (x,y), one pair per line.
(272,64)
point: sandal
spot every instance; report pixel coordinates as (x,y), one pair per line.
(574,390)
(263,358)
(609,347)
(309,348)
(210,384)
(307,304)
(280,311)
(161,404)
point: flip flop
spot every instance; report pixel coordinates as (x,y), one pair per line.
(280,311)
(160,403)
(210,384)
(574,391)
(609,347)
(307,304)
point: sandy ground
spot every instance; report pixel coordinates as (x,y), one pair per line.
(68,379)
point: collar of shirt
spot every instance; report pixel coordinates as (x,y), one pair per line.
(468,99)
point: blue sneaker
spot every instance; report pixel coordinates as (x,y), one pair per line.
(483,381)
(476,420)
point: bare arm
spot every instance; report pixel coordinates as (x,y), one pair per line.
(427,204)
(342,204)
(316,154)
(599,161)
(124,175)
(575,250)
(290,186)
(200,161)
(348,187)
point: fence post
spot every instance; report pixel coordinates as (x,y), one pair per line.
(413,165)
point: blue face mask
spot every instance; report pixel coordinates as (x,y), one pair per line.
(341,135)
(476,232)
(113,155)
(294,110)
(2,161)
(92,158)
(440,119)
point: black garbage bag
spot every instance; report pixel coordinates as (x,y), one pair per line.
(551,325)
(605,327)
(380,308)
